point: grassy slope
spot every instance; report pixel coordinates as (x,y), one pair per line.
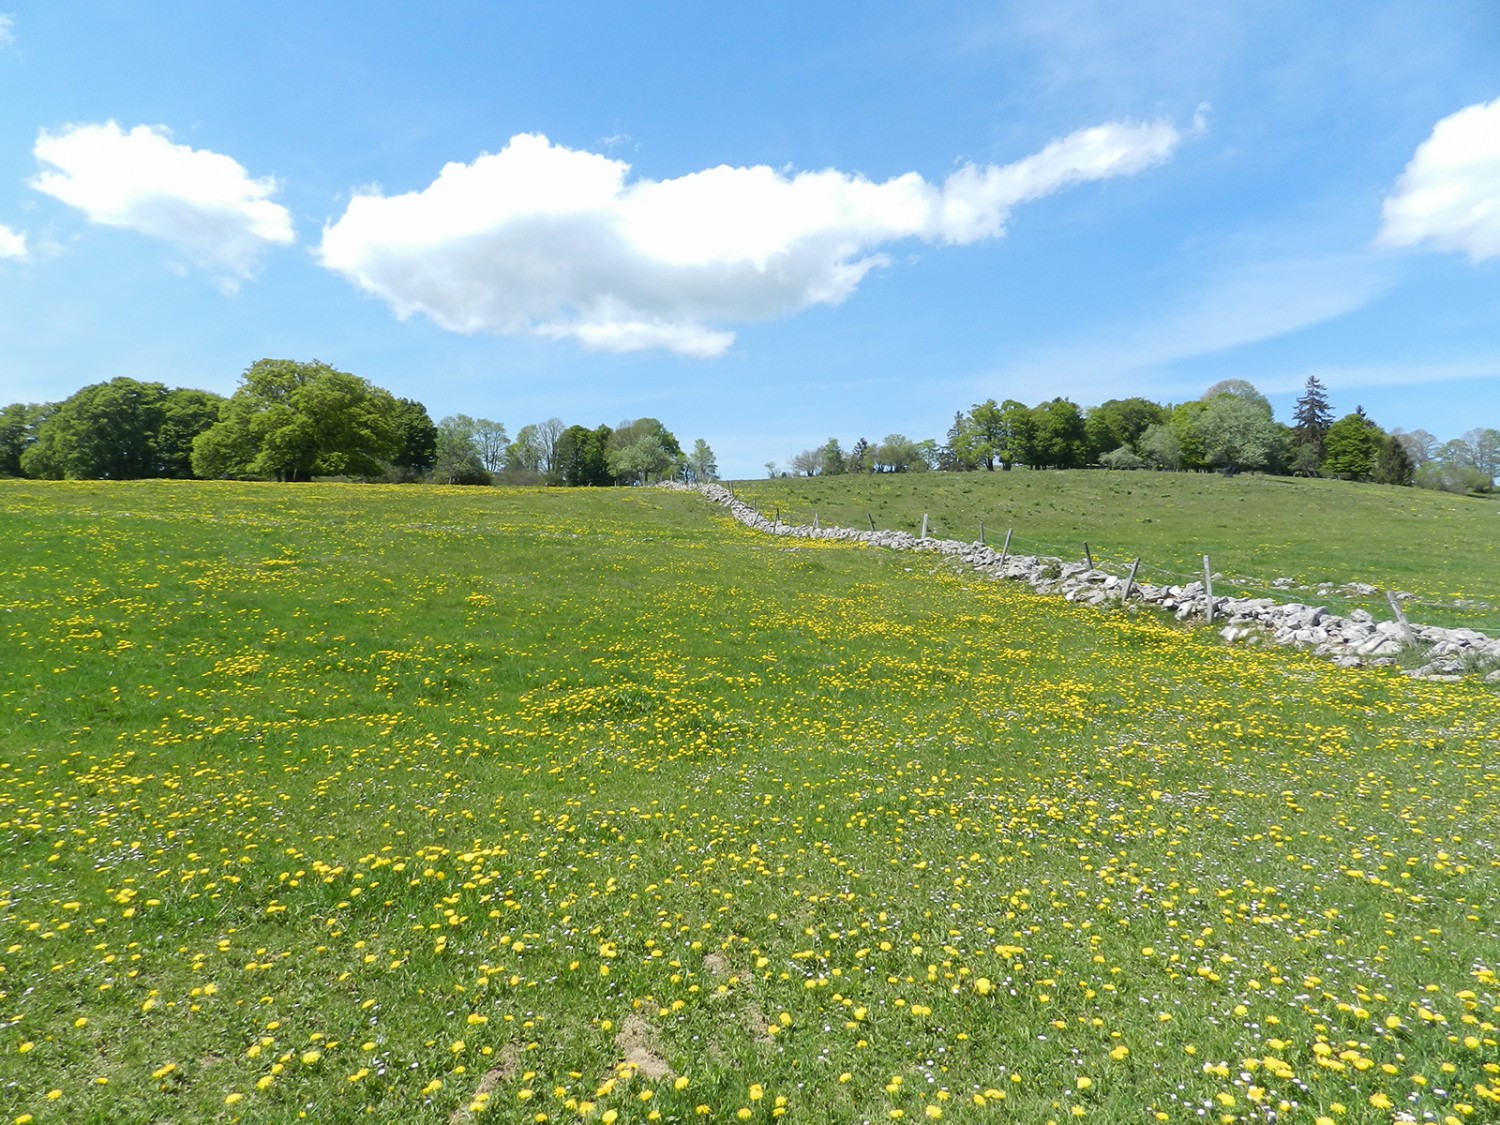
(355,801)
(1445,549)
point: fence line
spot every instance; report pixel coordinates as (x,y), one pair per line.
(1338,596)
(1350,640)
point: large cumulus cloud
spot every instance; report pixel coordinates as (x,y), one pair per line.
(539,238)
(1448,198)
(203,203)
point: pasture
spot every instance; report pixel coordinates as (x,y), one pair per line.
(347,803)
(1442,549)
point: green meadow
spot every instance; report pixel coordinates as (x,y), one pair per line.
(342,803)
(1441,548)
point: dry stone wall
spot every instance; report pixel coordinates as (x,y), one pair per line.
(1354,640)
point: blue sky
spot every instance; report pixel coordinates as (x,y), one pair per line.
(764,224)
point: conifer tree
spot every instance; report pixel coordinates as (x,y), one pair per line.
(1313,419)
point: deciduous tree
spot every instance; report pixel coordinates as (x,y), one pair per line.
(1236,432)
(416,439)
(492,442)
(1060,440)
(581,458)
(457,460)
(1120,422)
(291,421)
(18,426)
(701,463)
(1352,446)
(120,430)
(655,458)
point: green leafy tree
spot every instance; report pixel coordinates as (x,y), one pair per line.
(1239,388)
(226,448)
(644,464)
(1450,476)
(643,460)
(1160,448)
(104,431)
(899,454)
(581,459)
(185,413)
(701,463)
(18,426)
(1393,465)
(831,458)
(991,430)
(1352,446)
(1118,423)
(417,434)
(1236,432)
(951,458)
(525,455)
(457,459)
(977,438)
(1184,423)
(291,421)
(1122,458)
(1481,450)
(1060,440)
(1018,435)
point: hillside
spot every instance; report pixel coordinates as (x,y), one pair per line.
(1443,549)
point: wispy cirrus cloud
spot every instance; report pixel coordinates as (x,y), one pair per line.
(203,203)
(7,30)
(1229,308)
(1448,198)
(560,243)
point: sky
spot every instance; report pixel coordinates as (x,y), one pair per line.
(765,225)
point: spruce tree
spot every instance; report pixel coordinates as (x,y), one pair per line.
(1313,418)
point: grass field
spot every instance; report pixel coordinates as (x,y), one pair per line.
(1444,549)
(350,803)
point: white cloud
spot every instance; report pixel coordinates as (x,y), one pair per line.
(1449,195)
(557,242)
(7,30)
(203,203)
(12,244)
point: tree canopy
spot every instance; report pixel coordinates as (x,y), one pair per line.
(292,421)
(119,430)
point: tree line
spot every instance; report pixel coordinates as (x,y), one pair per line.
(1231,428)
(294,421)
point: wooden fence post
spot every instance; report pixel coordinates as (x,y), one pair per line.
(981,533)
(871,518)
(1088,558)
(924,526)
(1130,580)
(1411,638)
(1005,551)
(815,521)
(1208,591)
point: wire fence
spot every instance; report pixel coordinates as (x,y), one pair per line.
(1337,597)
